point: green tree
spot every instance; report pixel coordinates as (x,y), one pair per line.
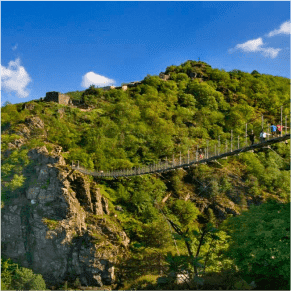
(187,100)
(12,173)
(8,269)
(3,285)
(254,72)
(16,182)
(205,247)
(25,279)
(219,75)
(185,211)
(7,103)
(156,234)
(77,154)
(17,278)
(153,81)
(260,244)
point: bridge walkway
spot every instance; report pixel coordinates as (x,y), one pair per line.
(184,162)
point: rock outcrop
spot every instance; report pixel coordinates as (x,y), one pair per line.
(16,143)
(61,226)
(29,106)
(22,130)
(34,122)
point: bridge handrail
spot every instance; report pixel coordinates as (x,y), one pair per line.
(183,162)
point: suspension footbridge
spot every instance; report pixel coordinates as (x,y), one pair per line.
(199,156)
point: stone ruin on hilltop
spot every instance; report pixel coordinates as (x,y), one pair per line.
(58,98)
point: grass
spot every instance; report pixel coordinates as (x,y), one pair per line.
(50,223)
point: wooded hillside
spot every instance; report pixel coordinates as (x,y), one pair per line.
(181,220)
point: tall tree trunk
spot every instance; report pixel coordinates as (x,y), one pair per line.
(188,245)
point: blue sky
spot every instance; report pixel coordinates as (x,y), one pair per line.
(66,46)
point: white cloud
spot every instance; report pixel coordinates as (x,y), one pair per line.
(251,45)
(92,78)
(284,29)
(14,78)
(256,45)
(270,52)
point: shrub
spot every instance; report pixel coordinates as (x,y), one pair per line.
(260,244)
(25,279)
(146,282)
(186,211)
(7,271)
(3,285)
(51,224)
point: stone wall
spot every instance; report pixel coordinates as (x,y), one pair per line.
(64,99)
(107,88)
(52,96)
(57,97)
(123,87)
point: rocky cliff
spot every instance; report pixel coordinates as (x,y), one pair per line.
(61,226)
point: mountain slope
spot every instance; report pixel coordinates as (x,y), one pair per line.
(118,129)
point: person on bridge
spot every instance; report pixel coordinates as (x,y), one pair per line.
(279,129)
(252,137)
(273,129)
(263,136)
(201,155)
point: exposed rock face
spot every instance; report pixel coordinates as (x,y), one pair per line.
(34,122)
(29,106)
(33,126)
(16,143)
(164,77)
(59,228)
(22,130)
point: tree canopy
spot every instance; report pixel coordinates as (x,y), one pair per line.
(157,120)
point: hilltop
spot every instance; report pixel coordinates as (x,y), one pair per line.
(126,222)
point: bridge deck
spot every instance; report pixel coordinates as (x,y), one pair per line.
(172,166)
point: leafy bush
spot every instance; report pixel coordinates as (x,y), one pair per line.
(185,211)
(77,154)
(8,269)
(3,285)
(25,279)
(19,278)
(156,234)
(12,174)
(145,282)
(50,223)
(260,244)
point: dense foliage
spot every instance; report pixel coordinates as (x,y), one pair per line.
(260,244)
(14,277)
(170,218)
